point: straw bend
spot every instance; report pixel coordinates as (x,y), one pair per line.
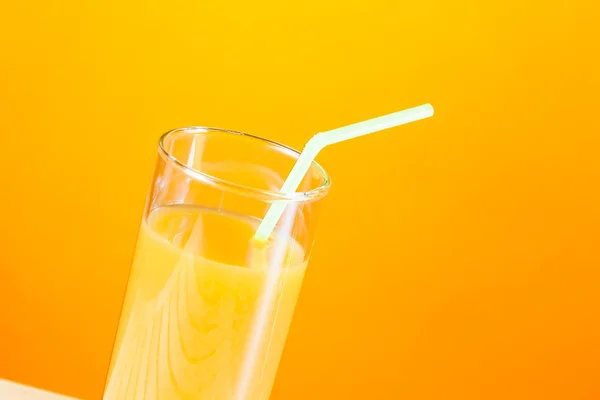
(323,139)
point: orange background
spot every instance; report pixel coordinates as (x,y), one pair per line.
(458,257)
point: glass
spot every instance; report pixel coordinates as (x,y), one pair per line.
(207,308)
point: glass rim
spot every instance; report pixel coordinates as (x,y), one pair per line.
(263,194)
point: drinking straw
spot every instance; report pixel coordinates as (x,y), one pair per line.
(323,139)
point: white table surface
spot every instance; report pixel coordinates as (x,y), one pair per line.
(16,391)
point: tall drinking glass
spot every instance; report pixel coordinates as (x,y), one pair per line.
(207,308)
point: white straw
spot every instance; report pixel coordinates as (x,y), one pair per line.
(323,139)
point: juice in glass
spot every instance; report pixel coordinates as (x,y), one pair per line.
(207,309)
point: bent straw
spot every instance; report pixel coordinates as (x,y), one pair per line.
(323,139)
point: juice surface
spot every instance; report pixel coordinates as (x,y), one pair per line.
(206,313)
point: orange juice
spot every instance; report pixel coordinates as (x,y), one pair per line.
(189,327)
